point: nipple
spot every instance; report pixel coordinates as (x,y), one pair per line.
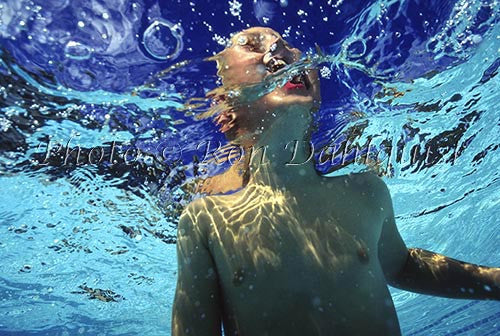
(362,252)
(363,255)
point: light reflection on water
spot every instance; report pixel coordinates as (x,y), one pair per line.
(90,249)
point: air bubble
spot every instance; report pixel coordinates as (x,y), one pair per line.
(476,39)
(163,39)
(356,49)
(77,51)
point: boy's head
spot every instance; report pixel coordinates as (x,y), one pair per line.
(253,55)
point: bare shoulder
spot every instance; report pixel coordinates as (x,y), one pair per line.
(367,183)
(193,208)
(378,193)
(201,213)
(202,206)
(374,184)
(366,187)
(376,189)
(192,222)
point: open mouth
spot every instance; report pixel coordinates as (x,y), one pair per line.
(299,81)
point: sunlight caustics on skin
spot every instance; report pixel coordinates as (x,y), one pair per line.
(248,222)
(277,229)
(416,79)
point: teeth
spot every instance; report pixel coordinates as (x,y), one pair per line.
(281,62)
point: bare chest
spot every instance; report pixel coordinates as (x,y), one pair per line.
(275,253)
(275,236)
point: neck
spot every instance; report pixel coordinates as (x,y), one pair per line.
(291,168)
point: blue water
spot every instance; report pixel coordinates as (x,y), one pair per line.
(90,248)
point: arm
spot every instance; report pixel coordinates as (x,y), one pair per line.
(196,309)
(430,273)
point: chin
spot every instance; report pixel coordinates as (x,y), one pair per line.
(298,101)
(306,96)
(283,98)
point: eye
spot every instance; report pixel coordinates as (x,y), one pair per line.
(250,46)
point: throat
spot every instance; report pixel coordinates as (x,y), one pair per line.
(287,166)
(282,156)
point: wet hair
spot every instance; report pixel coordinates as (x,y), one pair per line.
(221,111)
(222,105)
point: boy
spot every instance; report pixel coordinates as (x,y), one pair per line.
(295,253)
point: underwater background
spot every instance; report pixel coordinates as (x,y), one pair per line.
(101,141)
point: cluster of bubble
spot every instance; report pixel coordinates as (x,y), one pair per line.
(457,34)
(234,7)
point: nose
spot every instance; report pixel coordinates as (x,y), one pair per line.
(279,49)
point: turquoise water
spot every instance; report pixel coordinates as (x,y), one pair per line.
(89,249)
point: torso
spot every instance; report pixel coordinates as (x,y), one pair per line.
(295,267)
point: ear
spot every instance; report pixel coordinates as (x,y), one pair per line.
(226,121)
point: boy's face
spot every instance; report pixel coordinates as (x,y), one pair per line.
(257,53)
